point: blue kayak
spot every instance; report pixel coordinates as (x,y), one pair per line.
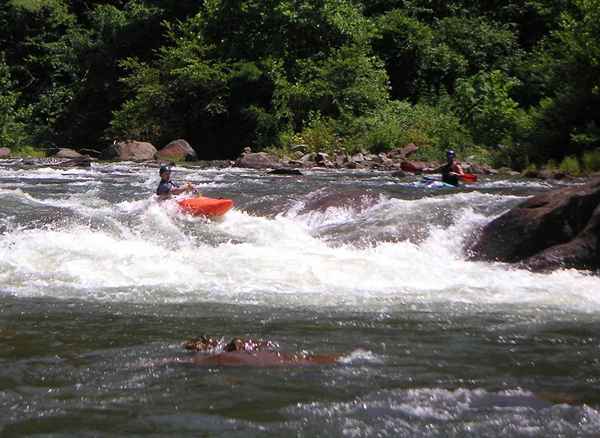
(432,183)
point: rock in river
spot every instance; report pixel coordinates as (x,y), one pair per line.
(177,150)
(130,151)
(557,229)
(258,160)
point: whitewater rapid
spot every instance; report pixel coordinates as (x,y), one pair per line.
(389,251)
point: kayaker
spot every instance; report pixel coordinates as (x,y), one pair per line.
(451,171)
(166,187)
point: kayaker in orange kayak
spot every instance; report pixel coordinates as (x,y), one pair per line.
(451,172)
(166,187)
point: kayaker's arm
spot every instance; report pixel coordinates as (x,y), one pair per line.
(179,190)
(433,169)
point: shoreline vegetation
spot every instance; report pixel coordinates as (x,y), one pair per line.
(508,84)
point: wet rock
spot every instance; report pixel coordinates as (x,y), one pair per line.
(4,152)
(557,229)
(357,199)
(285,171)
(308,159)
(130,151)
(67,153)
(90,152)
(82,161)
(258,160)
(399,174)
(179,150)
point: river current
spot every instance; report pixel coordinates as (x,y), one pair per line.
(100,284)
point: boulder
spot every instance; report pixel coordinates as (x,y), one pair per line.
(308,159)
(404,152)
(4,152)
(258,160)
(130,151)
(357,158)
(557,229)
(321,157)
(67,153)
(179,150)
(478,169)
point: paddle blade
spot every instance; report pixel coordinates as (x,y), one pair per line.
(469,177)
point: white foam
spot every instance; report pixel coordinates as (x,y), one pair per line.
(271,260)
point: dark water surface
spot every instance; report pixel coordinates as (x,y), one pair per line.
(100,285)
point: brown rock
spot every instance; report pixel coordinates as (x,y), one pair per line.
(404,152)
(130,151)
(557,229)
(177,150)
(258,160)
(4,152)
(67,153)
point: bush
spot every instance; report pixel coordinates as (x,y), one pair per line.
(400,123)
(591,160)
(570,165)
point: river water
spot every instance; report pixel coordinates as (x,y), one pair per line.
(100,284)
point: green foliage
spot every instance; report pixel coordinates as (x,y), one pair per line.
(483,103)
(570,165)
(591,160)
(13,118)
(336,74)
(400,123)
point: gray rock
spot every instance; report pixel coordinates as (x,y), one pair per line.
(67,153)
(258,160)
(130,151)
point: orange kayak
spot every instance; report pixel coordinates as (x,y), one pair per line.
(201,206)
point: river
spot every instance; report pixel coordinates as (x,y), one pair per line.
(100,284)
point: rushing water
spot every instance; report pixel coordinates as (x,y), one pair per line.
(100,284)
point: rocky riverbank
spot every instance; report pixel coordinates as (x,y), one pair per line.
(399,161)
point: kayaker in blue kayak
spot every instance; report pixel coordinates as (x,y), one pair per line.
(451,171)
(166,187)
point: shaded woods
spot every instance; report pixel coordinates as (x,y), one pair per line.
(509,82)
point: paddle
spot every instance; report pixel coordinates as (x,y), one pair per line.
(469,177)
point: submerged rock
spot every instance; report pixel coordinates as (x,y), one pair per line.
(248,352)
(557,229)
(130,151)
(177,150)
(285,171)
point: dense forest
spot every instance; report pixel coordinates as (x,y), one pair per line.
(509,82)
